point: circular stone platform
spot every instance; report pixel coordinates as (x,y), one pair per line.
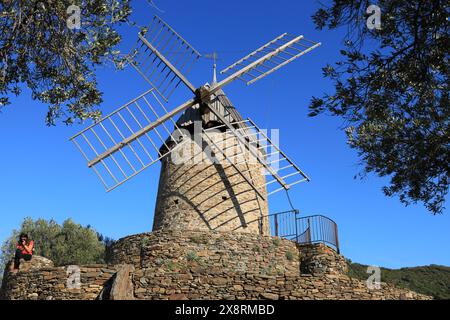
(221,251)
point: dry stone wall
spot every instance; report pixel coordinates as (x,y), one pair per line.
(205,265)
(57,283)
(235,252)
(318,259)
(224,265)
(151,283)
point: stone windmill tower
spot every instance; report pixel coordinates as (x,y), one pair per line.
(200,189)
(217,168)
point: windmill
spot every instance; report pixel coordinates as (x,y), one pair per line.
(226,176)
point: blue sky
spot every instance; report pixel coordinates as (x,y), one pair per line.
(44,176)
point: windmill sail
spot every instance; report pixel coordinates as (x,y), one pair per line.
(285,173)
(127,141)
(163,58)
(143,131)
(269,58)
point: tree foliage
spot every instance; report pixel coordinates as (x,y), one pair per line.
(391,90)
(433,280)
(57,63)
(66,244)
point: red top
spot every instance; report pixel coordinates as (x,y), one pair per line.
(22,248)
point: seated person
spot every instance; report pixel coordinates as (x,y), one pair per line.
(24,250)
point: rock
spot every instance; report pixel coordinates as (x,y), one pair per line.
(36,263)
(238,287)
(269,296)
(220,281)
(178,296)
(122,287)
(33,296)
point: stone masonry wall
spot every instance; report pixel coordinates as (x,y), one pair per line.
(223,265)
(205,265)
(318,259)
(151,283)
(236,252)
(201,194)
(51,283)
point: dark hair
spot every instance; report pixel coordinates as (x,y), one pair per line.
(23,235)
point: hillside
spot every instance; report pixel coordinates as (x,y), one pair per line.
(431,280)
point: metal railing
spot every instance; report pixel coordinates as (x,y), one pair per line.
(310,229)
(282,224)
(317,228)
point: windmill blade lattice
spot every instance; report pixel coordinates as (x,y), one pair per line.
(139,134)
(269,58)
(163,58)
(271,158)
(115,147)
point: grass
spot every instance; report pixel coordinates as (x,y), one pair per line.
(192,256)
(276,242)
(290,255)
(198,239)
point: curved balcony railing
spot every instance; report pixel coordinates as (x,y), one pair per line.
(310,229)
